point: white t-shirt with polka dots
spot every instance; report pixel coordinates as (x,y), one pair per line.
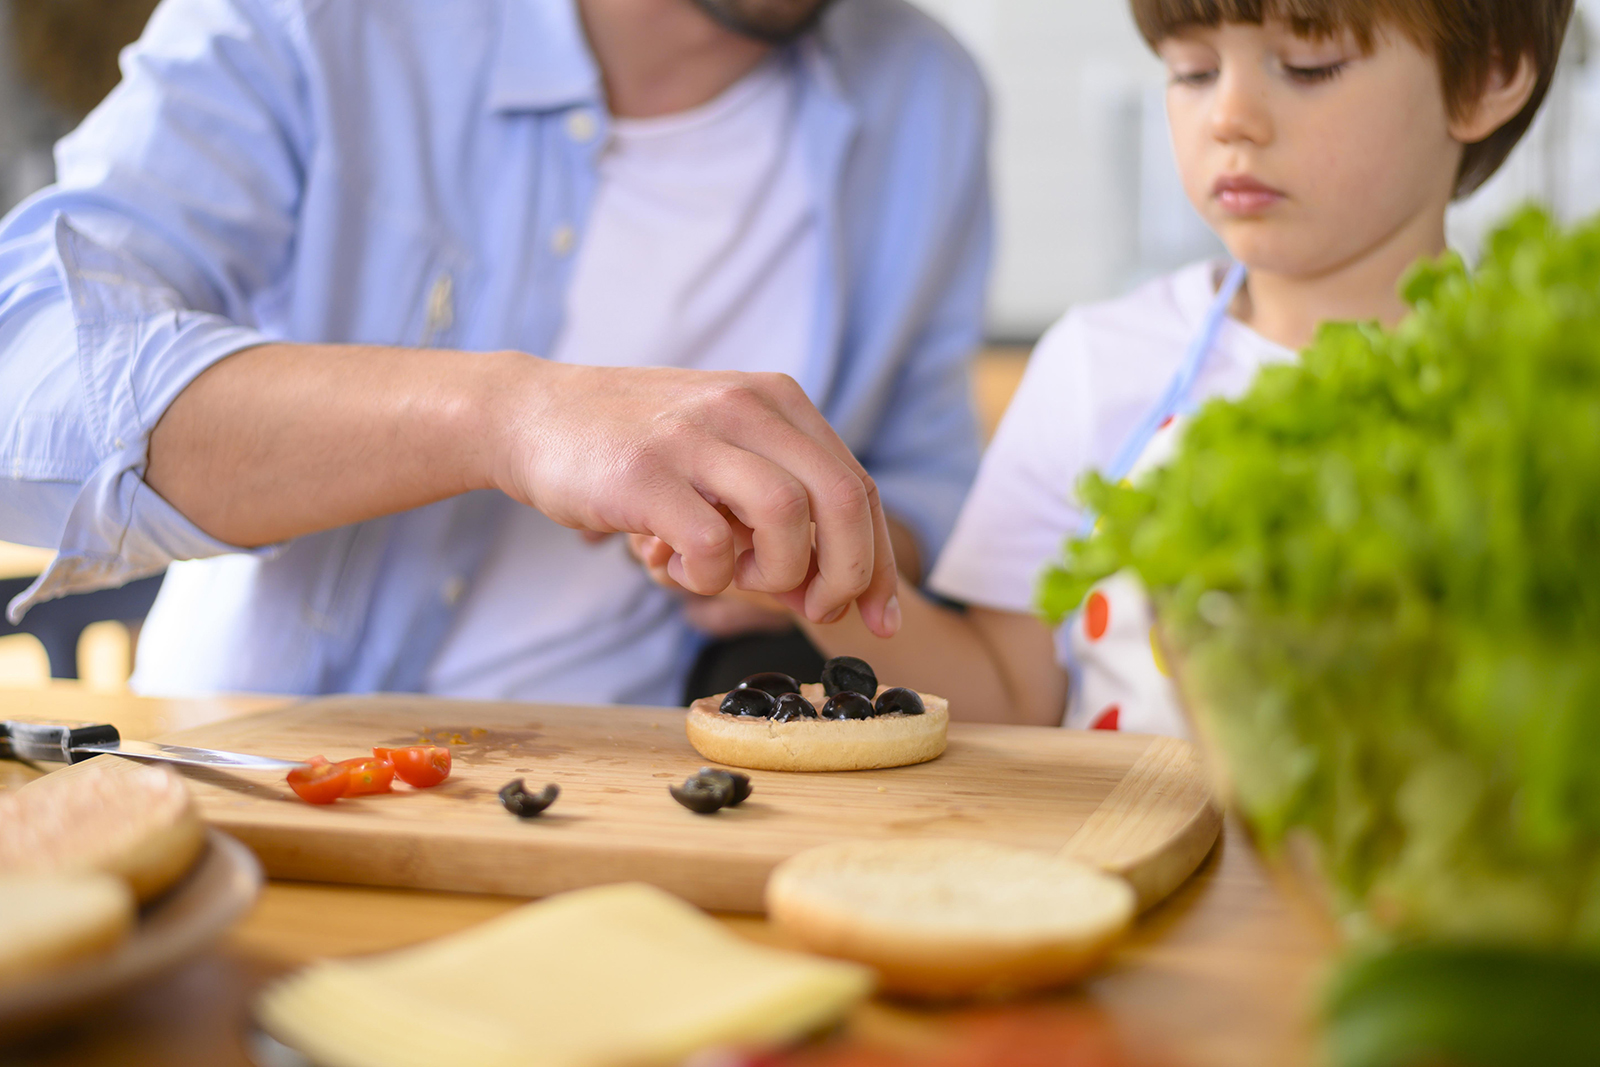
(1092,378)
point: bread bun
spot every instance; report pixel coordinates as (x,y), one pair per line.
(50,920)
(106,816)
(818,744)
(943,919)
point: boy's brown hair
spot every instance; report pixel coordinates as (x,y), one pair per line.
(1469,38)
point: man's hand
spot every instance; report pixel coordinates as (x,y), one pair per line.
(736,611)
(738,475)
(731,613)
(732,472)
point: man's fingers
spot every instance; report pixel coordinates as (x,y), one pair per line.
(854,555)
(769,511)
(653,554)
(649,550)
(880,606)
(843,505)
(795,599)
(701,540)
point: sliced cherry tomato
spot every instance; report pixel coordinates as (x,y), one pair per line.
(418,765)
(367,775)
(320,783)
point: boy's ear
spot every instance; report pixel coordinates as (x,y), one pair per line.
(1504,96)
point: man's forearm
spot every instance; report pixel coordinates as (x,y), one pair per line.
(284,440)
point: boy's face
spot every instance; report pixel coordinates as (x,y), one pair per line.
(1304,155)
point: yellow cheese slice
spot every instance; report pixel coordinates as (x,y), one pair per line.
(617,976)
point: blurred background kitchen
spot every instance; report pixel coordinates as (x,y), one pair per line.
(1087,197)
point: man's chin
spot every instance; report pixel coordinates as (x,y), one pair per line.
(772,21)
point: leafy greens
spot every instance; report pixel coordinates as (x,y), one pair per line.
(1380,572)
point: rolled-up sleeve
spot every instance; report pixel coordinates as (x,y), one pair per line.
(172,217)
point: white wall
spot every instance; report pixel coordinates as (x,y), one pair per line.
(1087,196)
(1063,75)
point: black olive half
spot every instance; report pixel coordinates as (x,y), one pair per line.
(846,674)
(901,701)
(751,703)
(848,705)
(793,707)
(773,682)
(738,784)
(703,795)
(523,804)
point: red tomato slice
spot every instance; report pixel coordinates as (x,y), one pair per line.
(320,783)
(367,775)
(418,765)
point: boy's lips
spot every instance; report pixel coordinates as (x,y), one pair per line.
(1240,194)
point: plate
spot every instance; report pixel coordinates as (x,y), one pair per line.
(180,923)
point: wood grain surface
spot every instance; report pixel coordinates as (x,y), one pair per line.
(1136,805)
(1224,972)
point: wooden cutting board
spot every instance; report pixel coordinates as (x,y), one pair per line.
(1136,805)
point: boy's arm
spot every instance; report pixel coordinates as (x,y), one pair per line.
(992,666)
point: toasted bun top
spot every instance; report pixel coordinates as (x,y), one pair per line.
(973,891)
(108,815)
(818,744)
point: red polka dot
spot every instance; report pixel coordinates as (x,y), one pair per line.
(1096,615)
(1108,719)
(1167,421)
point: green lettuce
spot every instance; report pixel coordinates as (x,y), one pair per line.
(1379,571)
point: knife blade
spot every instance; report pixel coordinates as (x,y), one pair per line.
(74,742)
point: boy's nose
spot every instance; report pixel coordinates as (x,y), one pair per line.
(1239,110)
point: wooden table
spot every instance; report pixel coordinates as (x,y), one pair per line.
(1221,975)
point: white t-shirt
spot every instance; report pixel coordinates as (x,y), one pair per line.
(1091,380)
(702,251)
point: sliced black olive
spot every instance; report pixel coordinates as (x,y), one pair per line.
(523,804)
(792,707)
(846,674)
(899,700)
(751,703)
(738,784)
(848,705)
(774,682)
(703,795)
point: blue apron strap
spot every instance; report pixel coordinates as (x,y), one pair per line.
(1172,401)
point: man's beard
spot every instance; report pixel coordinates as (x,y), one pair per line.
(772,21)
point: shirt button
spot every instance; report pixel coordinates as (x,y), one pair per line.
(562,240)
(452,590)
(581,126)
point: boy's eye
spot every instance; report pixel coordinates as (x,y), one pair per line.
(1313,75)
(1194,78)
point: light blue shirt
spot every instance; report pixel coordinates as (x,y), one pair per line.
(419,172)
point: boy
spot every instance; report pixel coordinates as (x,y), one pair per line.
(1323,141)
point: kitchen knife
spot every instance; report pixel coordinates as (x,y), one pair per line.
(74,742)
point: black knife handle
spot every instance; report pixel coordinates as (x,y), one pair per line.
(53,741)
